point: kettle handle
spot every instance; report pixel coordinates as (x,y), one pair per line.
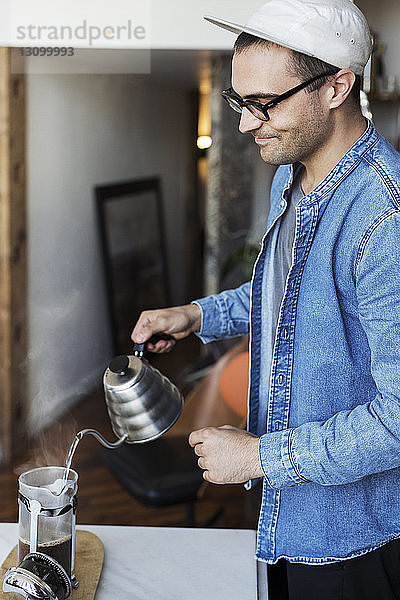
(138,349)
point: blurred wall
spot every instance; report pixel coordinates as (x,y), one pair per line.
(384,19)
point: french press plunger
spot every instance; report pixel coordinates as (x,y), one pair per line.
(46,546)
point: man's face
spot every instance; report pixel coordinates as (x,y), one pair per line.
(298,126)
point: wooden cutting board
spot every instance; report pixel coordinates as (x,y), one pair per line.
(88,565)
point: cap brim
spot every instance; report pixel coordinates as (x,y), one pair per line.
(236,28)
(233,27)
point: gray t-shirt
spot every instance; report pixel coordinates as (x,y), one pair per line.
(284,250)
(275,275)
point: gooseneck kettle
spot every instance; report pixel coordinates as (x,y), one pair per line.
(142,403)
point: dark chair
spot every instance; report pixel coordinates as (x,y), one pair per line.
(159,473)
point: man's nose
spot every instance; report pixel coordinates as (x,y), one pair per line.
(248,121)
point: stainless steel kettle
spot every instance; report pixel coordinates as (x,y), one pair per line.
(142,403)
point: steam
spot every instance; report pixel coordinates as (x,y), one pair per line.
(51,447)
(50,424)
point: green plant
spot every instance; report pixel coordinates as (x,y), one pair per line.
(243,257)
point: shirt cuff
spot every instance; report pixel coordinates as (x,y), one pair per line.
(278,460)
(214,319)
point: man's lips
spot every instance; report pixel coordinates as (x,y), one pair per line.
(264,140)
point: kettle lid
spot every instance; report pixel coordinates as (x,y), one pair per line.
(123,371)
(119,364)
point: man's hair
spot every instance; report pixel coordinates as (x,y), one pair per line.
(303,66)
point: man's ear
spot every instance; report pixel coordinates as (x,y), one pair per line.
(340,87)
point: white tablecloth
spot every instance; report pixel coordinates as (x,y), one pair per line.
(160,563)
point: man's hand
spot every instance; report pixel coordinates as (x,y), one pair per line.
(227,454)
(177,322)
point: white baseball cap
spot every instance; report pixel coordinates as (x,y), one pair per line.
(334,31)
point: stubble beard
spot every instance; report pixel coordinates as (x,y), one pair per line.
(298,143)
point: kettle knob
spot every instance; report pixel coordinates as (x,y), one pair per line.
(119,364)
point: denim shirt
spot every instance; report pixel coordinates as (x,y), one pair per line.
(330,447)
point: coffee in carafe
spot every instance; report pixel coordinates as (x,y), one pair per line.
(60,550)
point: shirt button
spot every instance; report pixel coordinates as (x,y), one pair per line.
(278,425)
(285,333)
(282,204)
(280,379)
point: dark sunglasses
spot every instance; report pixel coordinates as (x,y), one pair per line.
(258,109)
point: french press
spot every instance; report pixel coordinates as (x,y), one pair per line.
(46,546)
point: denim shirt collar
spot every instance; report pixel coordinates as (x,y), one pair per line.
(346,164)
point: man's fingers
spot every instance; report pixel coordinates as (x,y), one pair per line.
(142,333)
(161,346)
(153,322)
(198,449)
(199,436)
(149,322)
(195,437)
(178,321)
(202,463)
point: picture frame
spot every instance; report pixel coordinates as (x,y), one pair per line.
(132,235)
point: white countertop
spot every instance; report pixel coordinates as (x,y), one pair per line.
(162,563)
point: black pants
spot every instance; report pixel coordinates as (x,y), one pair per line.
(373,576)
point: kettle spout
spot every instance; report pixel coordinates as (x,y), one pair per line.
(102,439)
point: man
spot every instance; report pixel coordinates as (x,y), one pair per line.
(323,312)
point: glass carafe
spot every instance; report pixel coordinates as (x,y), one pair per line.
(47,510)
(46,541)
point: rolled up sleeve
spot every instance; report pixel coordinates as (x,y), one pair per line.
(224,315)
(278,461)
